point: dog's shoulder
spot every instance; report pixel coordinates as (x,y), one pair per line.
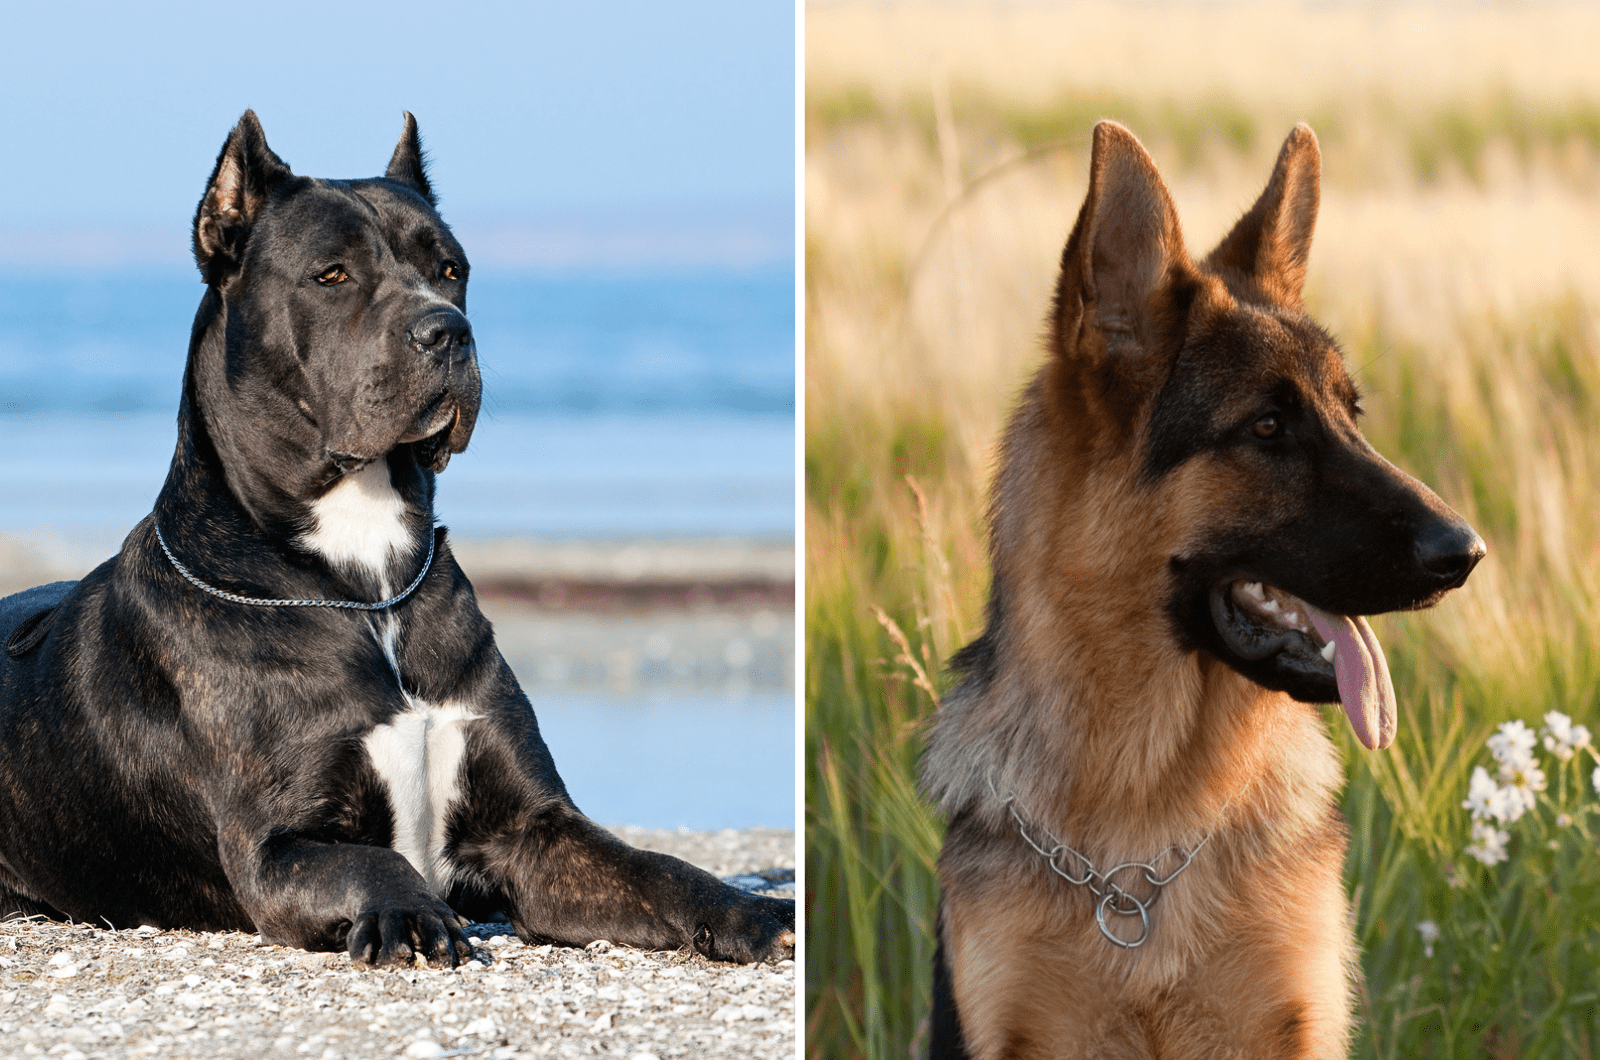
(25,617)
(28,618)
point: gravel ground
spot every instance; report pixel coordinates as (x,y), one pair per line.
(81,993)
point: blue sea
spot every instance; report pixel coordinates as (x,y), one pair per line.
(648,403)
(645,404)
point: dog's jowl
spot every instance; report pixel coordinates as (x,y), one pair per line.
(278,707)
(1144,853)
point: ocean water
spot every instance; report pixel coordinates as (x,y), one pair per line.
(668,761)
(644,404)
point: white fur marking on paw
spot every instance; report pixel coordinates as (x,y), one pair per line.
(361,521)
(417,755)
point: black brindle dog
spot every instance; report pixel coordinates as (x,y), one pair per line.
(176,752)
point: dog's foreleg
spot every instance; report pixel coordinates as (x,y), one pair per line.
(569,881)
(321,896)
(945,1041)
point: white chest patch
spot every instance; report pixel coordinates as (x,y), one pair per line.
(417,755)
(361,521)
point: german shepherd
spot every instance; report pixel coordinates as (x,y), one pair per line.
(1144,852)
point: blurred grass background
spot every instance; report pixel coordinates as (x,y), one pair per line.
(1457,257)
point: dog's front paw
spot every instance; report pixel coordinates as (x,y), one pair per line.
(747,928)
(393,935)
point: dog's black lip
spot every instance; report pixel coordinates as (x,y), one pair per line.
(426,413)
(438,437)
(1250,641)
(1431,600)
(345,463)
(426,449)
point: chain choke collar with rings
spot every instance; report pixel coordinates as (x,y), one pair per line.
(1110,897)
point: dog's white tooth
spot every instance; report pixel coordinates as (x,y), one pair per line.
(1328,650)
(1270,607)
(1253,589)
(1291,618)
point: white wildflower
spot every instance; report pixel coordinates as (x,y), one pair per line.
(1489,843)
(1561,737)
(1485,798)
(1430,934)
(1522,786)
(1513,744)
(1595,777)
(1563,820)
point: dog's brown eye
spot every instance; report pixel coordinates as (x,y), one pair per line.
(451,271)
(329,277)
(1267,427)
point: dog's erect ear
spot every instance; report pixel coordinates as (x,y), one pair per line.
(1122,249)
(1272,241)
(408,167)
(244,175)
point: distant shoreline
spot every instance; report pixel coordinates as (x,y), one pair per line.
(625,575)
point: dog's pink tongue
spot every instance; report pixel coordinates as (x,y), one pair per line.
(1363,675)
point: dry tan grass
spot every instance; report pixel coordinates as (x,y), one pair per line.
(1294,53)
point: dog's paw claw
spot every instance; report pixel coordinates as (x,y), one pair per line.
(400,938)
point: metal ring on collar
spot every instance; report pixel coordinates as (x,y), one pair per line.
(1088,876)
(1186,855)
(1138,907)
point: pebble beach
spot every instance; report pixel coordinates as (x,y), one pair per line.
(79,992)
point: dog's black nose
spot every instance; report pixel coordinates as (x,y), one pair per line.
(444,333)
(1448,551)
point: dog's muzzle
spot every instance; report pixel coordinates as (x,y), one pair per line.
(450,388)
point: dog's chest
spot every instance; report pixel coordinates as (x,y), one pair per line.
(418,755)
(418,752)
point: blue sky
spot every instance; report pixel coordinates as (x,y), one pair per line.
(609,128)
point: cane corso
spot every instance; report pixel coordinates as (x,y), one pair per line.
(278,708)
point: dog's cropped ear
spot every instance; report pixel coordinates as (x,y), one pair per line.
(244,175)
(1122,251)
(1272,241)
(408,166)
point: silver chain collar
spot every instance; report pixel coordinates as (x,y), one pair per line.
(1112,897)
(259,602)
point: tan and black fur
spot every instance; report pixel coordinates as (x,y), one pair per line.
(1193,430)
